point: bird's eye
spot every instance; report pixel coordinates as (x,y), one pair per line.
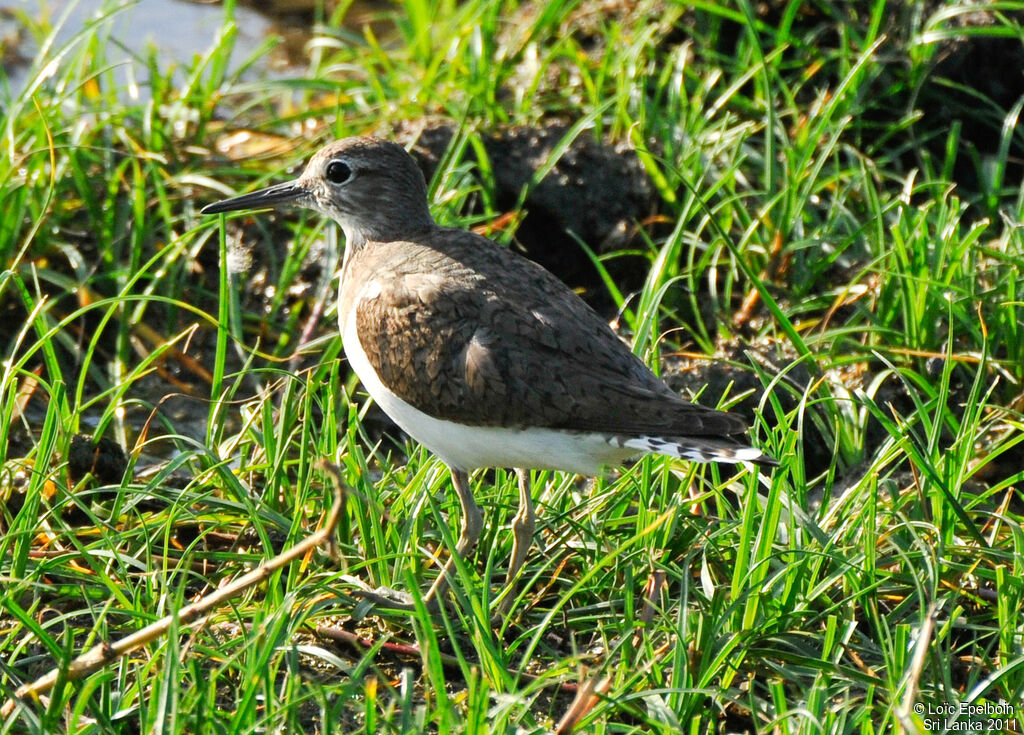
(338,172)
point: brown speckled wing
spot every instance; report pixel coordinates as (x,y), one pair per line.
(465,330)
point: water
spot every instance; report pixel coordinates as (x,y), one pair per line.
(179,30)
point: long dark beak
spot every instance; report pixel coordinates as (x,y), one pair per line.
(291,192)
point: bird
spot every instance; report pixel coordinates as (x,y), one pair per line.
(480,354)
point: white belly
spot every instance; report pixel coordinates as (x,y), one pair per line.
(472,447)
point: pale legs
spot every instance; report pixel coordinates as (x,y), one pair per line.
(523,527)
(472,525)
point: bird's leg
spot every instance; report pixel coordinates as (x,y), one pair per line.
(472,525)
(523,527)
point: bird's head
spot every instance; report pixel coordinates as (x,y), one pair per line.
(371,187)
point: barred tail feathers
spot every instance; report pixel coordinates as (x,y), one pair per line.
(700,449)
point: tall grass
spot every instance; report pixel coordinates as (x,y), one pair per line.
(861,289)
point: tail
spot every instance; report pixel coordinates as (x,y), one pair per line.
(701,449)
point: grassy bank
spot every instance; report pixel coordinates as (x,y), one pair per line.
(837,230)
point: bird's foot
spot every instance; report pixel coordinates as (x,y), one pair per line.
(388,598)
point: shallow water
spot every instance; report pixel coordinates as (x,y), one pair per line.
(179,30)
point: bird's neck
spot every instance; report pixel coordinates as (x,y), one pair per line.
(361,235)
